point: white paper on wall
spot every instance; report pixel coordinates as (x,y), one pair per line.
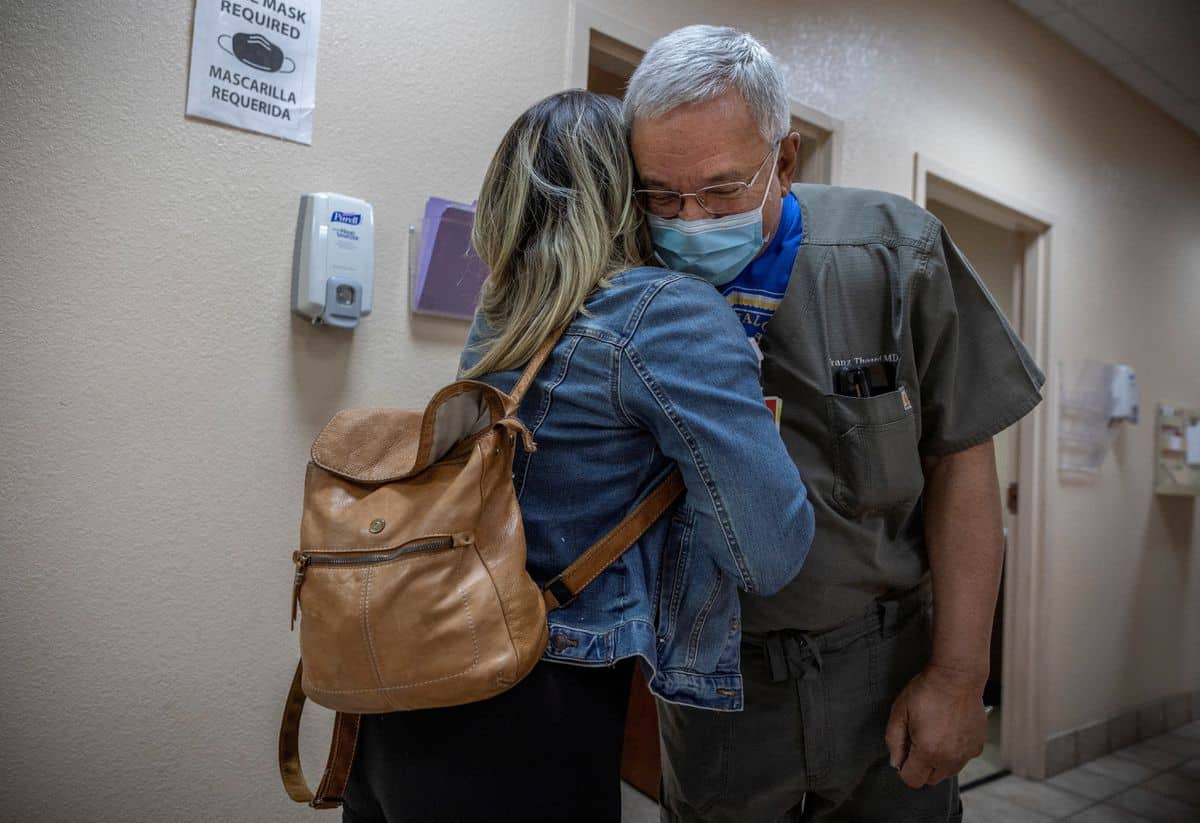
(1193,445)
(254,65)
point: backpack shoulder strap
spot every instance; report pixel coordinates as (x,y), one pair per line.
(563,588)
(341,753)
(535,365)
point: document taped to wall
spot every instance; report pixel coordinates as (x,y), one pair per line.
(254,65)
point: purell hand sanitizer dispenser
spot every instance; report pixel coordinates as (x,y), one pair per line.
(333,268)
(1123,394)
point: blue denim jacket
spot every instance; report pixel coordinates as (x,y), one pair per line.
(657,372)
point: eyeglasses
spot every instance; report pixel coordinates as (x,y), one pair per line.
(718,200)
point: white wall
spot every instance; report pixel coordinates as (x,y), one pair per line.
(158,400)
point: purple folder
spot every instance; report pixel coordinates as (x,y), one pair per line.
(449,273)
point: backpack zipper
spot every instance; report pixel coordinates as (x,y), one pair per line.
(305,559)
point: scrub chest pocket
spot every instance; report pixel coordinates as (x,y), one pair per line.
(876,464)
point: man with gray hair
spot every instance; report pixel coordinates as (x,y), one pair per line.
(889,369)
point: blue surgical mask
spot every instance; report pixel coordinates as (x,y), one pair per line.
(716,249)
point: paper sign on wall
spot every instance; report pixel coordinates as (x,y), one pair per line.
(1193,445)
(254,65)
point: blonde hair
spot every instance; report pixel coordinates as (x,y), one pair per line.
(555,221)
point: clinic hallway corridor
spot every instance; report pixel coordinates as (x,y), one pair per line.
(1155,780)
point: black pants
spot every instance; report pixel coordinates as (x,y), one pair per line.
(547,749)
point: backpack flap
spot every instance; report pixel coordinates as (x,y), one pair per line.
(381,445)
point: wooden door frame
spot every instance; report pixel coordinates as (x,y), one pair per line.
(581,22)
(1025,676)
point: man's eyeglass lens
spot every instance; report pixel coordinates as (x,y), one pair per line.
(717,200)
(727,198)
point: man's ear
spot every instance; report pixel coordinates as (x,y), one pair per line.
(789,156)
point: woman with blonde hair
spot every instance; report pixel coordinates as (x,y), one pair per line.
(651,372)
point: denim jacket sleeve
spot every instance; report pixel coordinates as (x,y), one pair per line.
(688,375)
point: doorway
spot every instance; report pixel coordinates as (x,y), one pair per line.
(997,255)
(1007,242)
(611,63)
(613,51)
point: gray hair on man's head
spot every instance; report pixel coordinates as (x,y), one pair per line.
(698,63)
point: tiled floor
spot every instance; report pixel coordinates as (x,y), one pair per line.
(636,807)
(1155,780)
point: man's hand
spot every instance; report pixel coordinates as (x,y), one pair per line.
(937,724)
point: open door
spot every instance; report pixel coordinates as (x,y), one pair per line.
(997,253)
(1007,240)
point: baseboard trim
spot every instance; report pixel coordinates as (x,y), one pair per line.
(1069,749)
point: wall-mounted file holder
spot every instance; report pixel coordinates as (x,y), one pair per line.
(444,273)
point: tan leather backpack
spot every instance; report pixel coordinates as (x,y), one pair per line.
(410,576)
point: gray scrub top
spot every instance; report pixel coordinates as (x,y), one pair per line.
(878,278)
